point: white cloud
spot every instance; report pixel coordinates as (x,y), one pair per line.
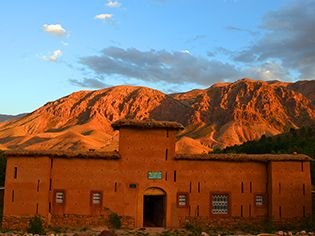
(158,67)
(268,71)
(56,29)
(288,38)
(185,51)
(113,4)
(54,56)
(104,16)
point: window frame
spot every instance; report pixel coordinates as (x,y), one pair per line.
(55,197)
(187,199)
(264,200)
(91,198)
(228,204)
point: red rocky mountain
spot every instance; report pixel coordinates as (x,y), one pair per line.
(222,115)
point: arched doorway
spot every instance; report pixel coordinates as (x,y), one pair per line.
(154,202)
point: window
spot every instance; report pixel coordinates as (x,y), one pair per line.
(259,200)
(38,182)
(50,184)
(220,204)
(12,195)
(60,197)
(182,199)
(15,172)
(96,198)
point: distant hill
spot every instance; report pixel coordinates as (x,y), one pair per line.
(10,117)
(222,115)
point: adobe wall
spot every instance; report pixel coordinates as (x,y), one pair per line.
(141,152)
(198,179)
(241,181)
(290,190)
(27,192)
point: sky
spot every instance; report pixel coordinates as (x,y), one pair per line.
(51,48)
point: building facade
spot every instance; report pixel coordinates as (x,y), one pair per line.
(149,185)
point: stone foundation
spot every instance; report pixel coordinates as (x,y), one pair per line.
(15,222)
(128,222)
(244,224)
(78,221)
(63,221)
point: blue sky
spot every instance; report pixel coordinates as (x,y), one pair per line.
(52,48)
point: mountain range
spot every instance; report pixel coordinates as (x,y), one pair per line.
(222,115)
(4,117)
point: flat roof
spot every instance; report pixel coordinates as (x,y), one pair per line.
(146,124)
(187,157)
(243,157)
(64,154)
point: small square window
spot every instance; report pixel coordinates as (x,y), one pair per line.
(96,198)
(60,197)
(259,200)
(220,204)
(182,199)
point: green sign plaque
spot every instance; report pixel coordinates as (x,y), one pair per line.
(155,175)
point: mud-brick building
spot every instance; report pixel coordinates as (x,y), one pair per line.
(148,184)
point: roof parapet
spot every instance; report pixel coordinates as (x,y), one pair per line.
(243,157)
(146,124)
(64,154)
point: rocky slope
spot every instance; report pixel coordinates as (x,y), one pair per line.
(222,115)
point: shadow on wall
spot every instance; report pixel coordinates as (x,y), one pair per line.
(1,202)
(3,163)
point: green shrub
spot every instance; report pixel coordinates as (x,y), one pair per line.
(114,221)
(194,228)
(35,226)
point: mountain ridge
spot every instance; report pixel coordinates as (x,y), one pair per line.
(222,115)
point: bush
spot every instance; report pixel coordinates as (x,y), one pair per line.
(194,228)
(114,221)
(35,226)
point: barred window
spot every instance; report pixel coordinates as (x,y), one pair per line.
(259,200)
(182,199)
(96,198)
(60,197)
(220,204)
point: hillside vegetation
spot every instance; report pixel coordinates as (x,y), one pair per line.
(299,141)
